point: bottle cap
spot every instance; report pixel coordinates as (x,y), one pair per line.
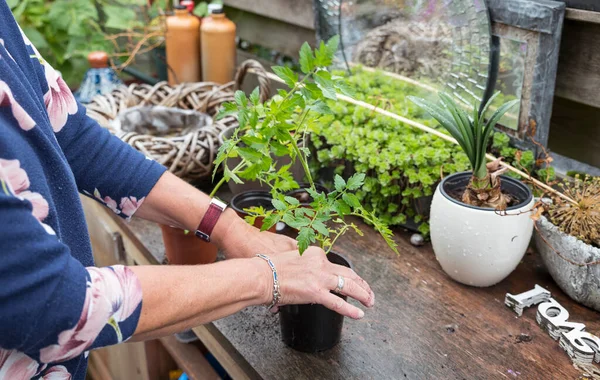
(215,9)
(189,4)
(98,59)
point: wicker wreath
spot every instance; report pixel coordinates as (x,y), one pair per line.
(189,156)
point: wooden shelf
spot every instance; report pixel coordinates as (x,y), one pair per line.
(189,358)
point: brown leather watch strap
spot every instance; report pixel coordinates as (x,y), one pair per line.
(209,221)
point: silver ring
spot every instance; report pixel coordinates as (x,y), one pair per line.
(340,284)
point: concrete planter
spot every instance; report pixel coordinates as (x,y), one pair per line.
(581,283)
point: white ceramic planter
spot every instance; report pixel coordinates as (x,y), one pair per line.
(476,246)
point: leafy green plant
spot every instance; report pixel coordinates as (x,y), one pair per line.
(473,134)
(275,129)
(66,31)
(402,165)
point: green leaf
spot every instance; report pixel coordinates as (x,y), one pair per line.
(339,183)
(342,207)
(269,221)
(279,205)
(351,199)
(332,45)
(240,98)
(323,80)
(255,96)
(289,77)
(118,17)
(201,9)
(291,200)
(295,222)
(306,236)
(320,107)
(231,175)
(320,228)
(13,3)
(356,181)
(307,59)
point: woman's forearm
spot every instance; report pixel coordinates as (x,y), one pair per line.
(176,298)
(174,202)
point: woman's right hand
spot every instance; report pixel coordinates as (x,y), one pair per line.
(311,277)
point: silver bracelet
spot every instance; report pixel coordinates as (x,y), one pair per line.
(276,294)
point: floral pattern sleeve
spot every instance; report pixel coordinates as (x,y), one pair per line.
(64,308)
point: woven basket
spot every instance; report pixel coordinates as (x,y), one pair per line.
(189,156)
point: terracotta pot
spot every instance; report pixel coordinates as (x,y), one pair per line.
(187,249)
(254,198)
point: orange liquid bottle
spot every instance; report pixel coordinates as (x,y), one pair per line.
(183,47)
(217,36)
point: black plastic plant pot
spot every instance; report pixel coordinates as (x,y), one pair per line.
(301,194)
(253,198)
(312,327)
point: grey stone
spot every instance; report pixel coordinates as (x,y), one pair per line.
(417,240)
(581,283)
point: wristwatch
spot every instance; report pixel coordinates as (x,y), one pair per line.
(206,226)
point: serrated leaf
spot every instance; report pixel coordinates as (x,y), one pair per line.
(323,80)
(307,59)
(289,77)
(229,175)
(320,228)
(255,96)
(291,200)
(306,236)
(240,98)
(351,199)
(339,183)
(342,207)
(320,107)
(279,205)
(356,181)
(296,222)
(332,45)
(269,221)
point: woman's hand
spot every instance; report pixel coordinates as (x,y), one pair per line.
(311,277)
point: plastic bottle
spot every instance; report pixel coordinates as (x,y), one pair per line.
(217,36)
(183,46)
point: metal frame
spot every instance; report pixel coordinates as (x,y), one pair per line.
(538,23)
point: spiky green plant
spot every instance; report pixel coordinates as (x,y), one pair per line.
(473,133)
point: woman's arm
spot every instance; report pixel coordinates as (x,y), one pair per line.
(174,202)
(195,294)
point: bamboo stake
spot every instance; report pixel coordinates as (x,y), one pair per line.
(437,133)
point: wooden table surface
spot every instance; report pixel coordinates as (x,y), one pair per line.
(423,326)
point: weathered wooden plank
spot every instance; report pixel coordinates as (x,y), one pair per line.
(591,5)
(582,15)
(190,359)
(575,131)
(270,33)
(295,12)
(578,75)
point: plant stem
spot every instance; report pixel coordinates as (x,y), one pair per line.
(301,157)
(340,233)
(222,181)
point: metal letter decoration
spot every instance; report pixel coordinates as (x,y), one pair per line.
(582,347)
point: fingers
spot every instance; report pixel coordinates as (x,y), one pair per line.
(337,304)
(349,274)
(353,289)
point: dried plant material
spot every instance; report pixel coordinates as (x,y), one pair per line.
(581,219)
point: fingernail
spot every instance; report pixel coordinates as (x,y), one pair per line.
(361,314)
(372,299)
